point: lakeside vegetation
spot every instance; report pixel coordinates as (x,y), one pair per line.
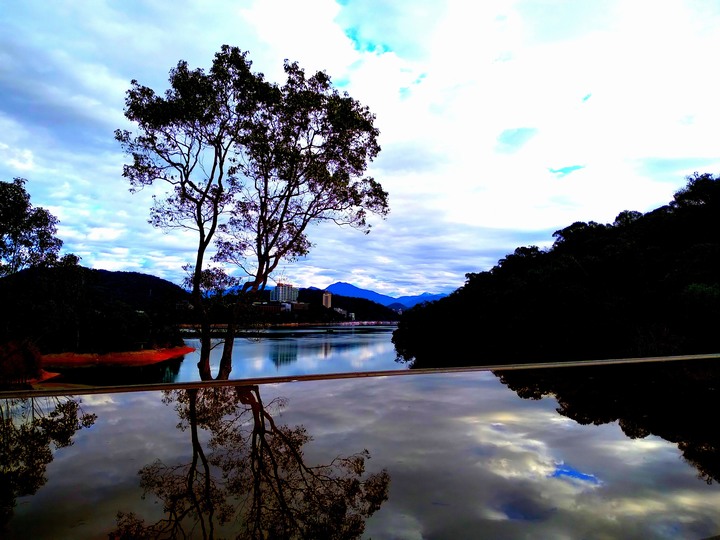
(644,285)
(63,316)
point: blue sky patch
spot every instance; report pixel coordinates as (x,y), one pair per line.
(564,171)
(670,169)
(511,140)
(405,91)
(365,45)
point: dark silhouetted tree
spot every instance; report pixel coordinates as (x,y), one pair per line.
(186,140)
(27,233)
(253,160)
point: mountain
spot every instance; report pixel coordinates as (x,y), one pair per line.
(410,301)
(346,289)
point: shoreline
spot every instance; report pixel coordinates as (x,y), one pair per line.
(113,359)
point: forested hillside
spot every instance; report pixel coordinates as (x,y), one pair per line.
(644,285)
(82,310)
(363,309)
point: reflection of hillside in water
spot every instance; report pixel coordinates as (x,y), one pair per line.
(160,373)
(672,400)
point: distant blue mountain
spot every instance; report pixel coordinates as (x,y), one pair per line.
(346,289)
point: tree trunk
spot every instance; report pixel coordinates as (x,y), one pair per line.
(205,346)
(226,360)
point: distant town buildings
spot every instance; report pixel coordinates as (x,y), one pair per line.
(284,292)
(283,298)
(345,313)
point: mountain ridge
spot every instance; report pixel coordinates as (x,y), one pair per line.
(347,289)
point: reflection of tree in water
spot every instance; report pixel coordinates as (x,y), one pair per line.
(28,430)
(673,400)
(253,478)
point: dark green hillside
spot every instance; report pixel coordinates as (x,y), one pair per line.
(364,310)
(82,310)
(644,285)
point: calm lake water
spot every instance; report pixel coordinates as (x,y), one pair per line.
(629,451)
(286,352)
(302,351)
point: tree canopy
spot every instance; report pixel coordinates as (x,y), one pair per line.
(644,285)
(250,164)
(304,154)
(27,233)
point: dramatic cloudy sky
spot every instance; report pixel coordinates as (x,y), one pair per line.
(499,125)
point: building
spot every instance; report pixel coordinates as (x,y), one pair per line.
(327,299)
(284,292)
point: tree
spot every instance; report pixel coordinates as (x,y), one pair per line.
(305,152)
(27,234)
(701,190)
(252,161)
(185,140)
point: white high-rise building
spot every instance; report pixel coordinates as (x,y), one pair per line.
(284,292)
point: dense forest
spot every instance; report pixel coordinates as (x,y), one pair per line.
(77,309)
(644,285)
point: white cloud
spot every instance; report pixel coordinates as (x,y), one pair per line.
(624,95)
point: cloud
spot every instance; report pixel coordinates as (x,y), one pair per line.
(496,128)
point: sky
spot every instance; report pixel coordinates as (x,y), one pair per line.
(498,124)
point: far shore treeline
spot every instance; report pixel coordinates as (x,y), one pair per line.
(82,310)
(644,285)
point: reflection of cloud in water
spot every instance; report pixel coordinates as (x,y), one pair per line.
(467,458)
(353,351)
(507,451)
(466,455)
(636,451)
(258,364)
(98,399)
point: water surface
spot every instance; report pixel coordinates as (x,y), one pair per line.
(462,455)
(285,352)
(290,352)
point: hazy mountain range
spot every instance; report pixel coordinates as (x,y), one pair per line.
(346,289)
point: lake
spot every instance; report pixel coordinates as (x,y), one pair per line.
(280,352)
(624,451)
(288,352)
